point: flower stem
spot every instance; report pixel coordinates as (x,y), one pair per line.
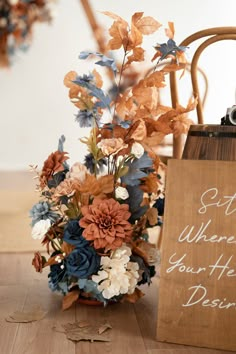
(119,83)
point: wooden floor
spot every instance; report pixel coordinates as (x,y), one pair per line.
(134,326)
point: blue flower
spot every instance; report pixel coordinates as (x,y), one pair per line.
(57,178)
(147,271)
(57,276)
(85,118)
(73,234)
(90,163)
(43,211)
(82,262)
(160,205)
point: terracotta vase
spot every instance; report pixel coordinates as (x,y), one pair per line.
(90,302)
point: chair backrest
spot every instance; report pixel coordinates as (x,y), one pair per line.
(213,35)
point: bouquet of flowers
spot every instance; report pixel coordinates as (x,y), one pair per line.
(94,216)
(17,18)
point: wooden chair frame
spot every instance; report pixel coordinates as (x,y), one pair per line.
(215,34)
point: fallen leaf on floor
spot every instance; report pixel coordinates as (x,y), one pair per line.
(83,330)
(104,327)
(83,324)
(69,299)
(26,316)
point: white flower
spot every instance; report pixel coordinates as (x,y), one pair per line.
(137,150)
(40,228)
(121,193)
(13,2)
(118,275)
(122,252)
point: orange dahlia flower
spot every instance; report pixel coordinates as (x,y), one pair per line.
(105,222)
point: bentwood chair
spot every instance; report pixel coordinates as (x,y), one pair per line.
(213,35)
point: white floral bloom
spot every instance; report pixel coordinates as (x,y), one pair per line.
(121,193)
(40,228)
(118,275)
(121,252)
(78,171)
(13,2)
(137,150)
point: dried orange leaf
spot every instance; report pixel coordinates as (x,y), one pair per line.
(106,184)
(114,16)
(155,139)
(118,32)
(150,185)
(152,216)
(173,67)
(170,31)
(138,55)
(135,38)
(138,130)
(181,125)
(104,327)
(70,76)
(69,299)
(147,25)
(26,316)
(97,78)
(146,96)
(156,79)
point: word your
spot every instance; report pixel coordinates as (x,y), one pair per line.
(199,295)
(212,195)
(219,268)
(189,236)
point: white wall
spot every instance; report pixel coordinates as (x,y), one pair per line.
(34,106)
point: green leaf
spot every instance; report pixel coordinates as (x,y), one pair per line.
(72,212)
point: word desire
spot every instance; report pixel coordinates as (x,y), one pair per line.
(199,296)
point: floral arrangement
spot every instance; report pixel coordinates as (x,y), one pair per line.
(94,216)
(17,18)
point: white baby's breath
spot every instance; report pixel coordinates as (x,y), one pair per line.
(40,228)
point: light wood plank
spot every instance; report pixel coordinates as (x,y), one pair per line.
(125,334)
(10,295)
(40,337)
(133,325)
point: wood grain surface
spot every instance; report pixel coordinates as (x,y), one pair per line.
(134,326)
